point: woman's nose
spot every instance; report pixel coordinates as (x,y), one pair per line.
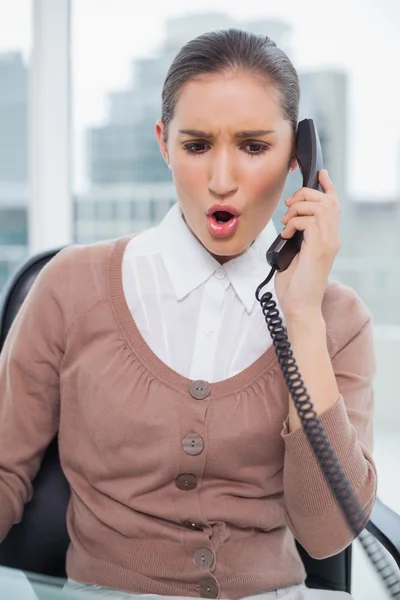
(223,179)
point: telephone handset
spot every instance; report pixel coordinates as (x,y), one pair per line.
(309,156)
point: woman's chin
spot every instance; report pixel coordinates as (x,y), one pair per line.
(225,249)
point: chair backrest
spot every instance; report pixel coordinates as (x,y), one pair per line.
(39,542)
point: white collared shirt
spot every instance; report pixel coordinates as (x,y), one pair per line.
(200,318)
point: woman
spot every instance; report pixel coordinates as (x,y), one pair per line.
(190,474)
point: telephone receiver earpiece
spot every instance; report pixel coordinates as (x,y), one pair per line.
(310,161)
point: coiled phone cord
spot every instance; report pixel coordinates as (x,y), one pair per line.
(325,454)
(383,567)
(310,421)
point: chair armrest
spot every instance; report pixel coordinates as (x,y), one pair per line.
(384,524)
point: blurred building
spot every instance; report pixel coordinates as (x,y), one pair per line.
(108,211)
(13,118)
(368,260)
(13,162)
(324,98)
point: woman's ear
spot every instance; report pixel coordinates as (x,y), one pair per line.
(160,133)
(293,164)
(293,160)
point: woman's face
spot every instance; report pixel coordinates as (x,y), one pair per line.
(230,149)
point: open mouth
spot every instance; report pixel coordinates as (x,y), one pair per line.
(222,221)
(222,216)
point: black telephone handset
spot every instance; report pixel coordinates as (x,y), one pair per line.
(309,156)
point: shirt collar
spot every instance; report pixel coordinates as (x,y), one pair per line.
(191,267)
(248,270)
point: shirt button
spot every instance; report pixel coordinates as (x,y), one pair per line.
(208,330)
(199,389)
(203,558)
(209,588)
(186,482)
(193,444)
(220,273)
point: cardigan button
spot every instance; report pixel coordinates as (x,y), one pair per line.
(203,558)
(186,482)
(199,389)
(194,526)
(193,444)
(209,588)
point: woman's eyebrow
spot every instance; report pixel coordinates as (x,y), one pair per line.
(239,134)
(196,133)
(254,133)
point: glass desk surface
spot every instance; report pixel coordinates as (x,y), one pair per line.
(20,585)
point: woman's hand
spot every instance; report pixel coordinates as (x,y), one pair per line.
(300,289)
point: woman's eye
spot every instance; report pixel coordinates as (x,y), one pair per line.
(254,148)
(201,147)
(195,147)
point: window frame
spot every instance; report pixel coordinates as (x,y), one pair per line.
(50,201)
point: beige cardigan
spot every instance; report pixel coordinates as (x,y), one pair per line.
(176,488)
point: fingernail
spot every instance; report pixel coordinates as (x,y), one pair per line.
(283,220)
(288,199)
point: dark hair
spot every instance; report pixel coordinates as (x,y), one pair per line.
(229,50)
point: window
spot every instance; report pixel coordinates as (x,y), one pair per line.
(15,48)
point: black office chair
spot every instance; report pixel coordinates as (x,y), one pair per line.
(39,543)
